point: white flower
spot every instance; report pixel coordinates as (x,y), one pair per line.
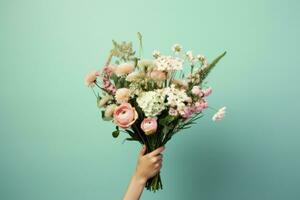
(190,56)
(122,95)
(168,63)
(201,57)
(151,102)
(102,102)
(219,114)
(156,54)
(175,97)
(109,111)
(176,48)
(203,60)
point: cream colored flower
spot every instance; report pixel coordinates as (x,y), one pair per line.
(122,95)
(180,83)
(151,102)
(176,48)
(123,69)
(135,76)
(109,111)
(90,78)
(190,56)
(104,100)
(146,65)
(168,63)
(156,54)
(158,75)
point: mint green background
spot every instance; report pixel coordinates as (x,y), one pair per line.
(53,144)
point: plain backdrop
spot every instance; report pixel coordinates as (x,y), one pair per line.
(54,145)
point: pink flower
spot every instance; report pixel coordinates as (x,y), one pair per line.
(158,75)
(108,70)
(196,90)
(187,112)
(125,115)
(198,106)
(219,115)
(123,69)
(149,125)
(108,86)
(90,78)
(122,95)
(207,91)
(204,104)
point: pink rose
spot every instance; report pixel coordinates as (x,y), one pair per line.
(90,78)
(125,115)
(196,90)
(149,125)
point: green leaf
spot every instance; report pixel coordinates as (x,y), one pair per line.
(204,72)
(167,120)
(115,133)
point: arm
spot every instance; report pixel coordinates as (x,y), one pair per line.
(148,166)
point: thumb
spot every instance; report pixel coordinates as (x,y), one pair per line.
(143,150)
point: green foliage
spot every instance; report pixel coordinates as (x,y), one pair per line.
(205,71)
(116,133)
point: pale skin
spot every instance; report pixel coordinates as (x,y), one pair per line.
(148,165)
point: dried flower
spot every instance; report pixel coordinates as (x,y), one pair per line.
(91,77)
(124,68)
(122,95)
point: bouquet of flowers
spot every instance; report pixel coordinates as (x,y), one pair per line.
(152,99)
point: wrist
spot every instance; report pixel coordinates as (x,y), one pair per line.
(139,178)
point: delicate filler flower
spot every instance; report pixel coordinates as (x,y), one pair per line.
(90,78)
(196,90)
(219,115)
(190,56)
(124,68)
(149,126)
(151,102)
(176,48)
(125,115)
(109,111)
(156,54)
(122,95)
(168,63)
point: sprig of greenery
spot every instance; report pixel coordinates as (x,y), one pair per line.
(205,71)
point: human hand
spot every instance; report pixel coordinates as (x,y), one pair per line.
(148,165)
